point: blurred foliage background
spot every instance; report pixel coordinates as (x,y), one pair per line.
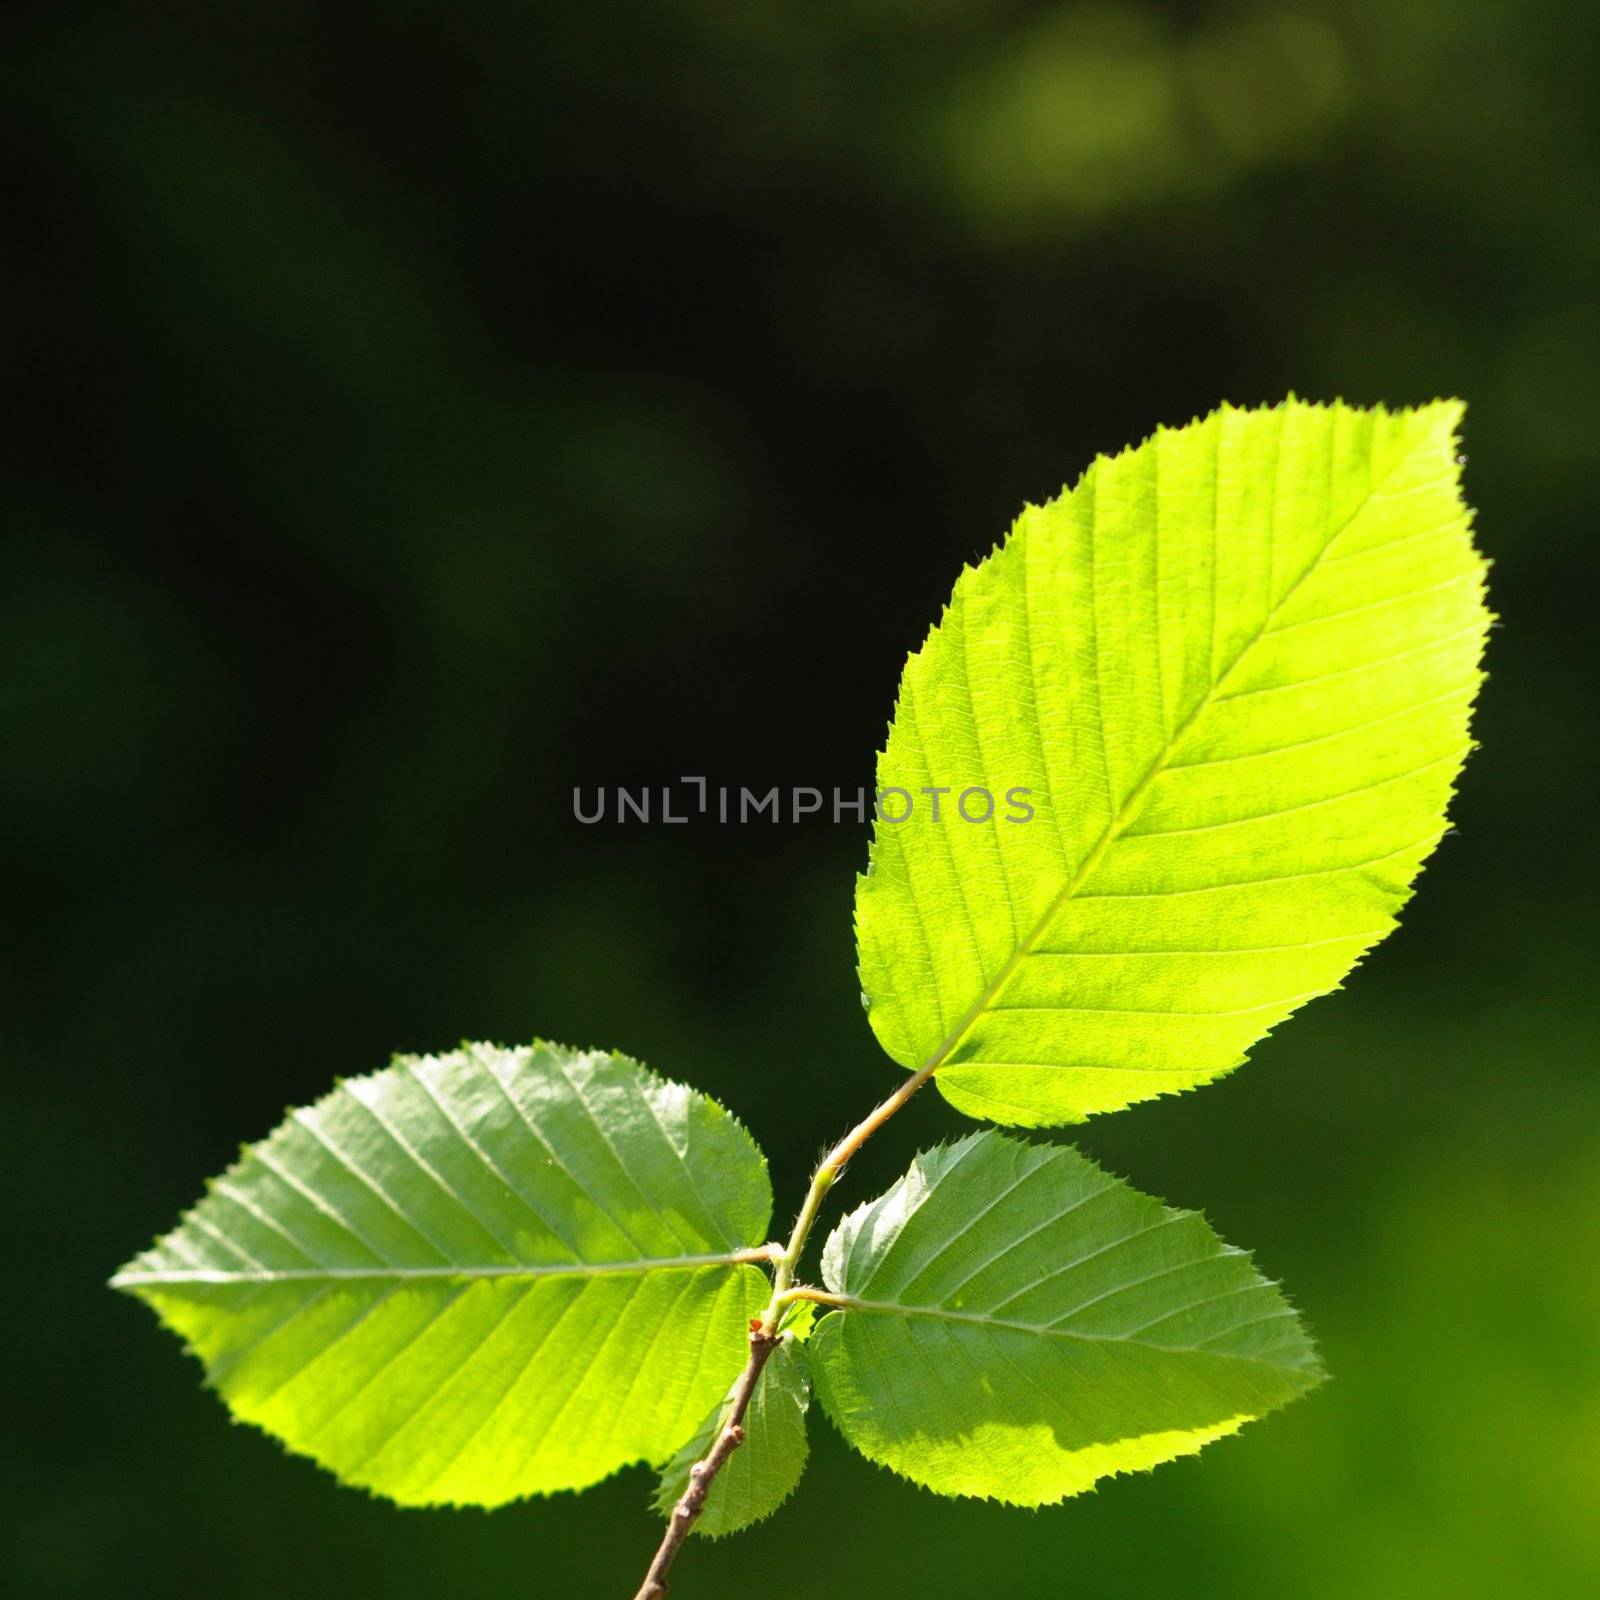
(421,410)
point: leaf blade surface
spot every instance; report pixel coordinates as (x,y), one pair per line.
(766,1468)
(1234,667)
(477,1276)
(1015,1324)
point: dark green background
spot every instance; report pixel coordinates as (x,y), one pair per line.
(424,409)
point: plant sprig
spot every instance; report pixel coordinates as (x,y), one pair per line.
(1233,669)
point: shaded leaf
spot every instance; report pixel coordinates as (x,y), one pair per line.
(1017,1324)
(763,1472)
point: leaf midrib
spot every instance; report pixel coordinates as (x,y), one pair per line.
(135,1280)
(1135,798)
(846,1302)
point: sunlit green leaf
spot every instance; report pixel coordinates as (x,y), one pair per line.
(1017,1324)
(476,1276)
(1234,668)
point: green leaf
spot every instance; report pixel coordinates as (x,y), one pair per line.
(1234,667)
(476,1276)
(762,1473)
(1017,1324)
(798,1318)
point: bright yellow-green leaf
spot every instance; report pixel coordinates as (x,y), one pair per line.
(476,1276)
(1234,668)
(1017,1324)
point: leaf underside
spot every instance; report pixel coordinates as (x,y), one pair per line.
(1235,667)
(476,1276)
(763,1471)
(1020,1324)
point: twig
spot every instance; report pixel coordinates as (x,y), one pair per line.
(764,1335)
(702,1473)
(826,1175)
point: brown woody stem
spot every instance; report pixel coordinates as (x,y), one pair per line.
(702,1473)
(764,1335)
